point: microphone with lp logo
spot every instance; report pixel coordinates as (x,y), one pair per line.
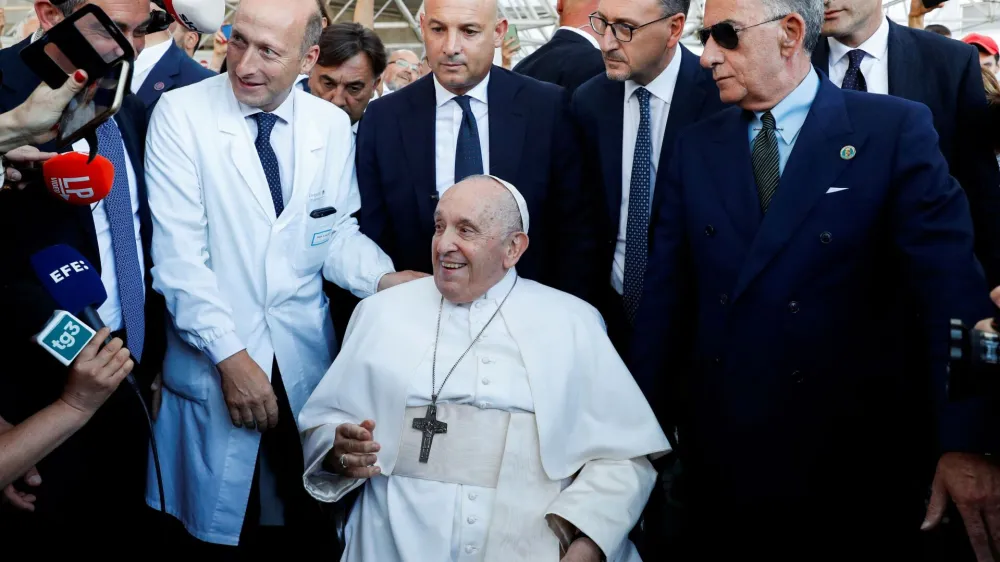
(72,179)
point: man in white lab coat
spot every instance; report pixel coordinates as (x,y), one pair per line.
(487,416)
(251,185)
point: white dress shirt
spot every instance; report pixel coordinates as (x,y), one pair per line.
(111,310)
(875,65)
(282,140)
(447,121)
(145,62)
(662,90)
(590,38)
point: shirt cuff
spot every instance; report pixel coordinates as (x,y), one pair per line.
(378,280)
(223,348)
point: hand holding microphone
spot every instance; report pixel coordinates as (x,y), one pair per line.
(67,176)
(96,373)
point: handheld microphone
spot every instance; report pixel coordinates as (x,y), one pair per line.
(76,287)
(71,281)
(73,178)
(203,16)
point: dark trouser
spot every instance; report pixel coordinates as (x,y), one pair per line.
(307,530)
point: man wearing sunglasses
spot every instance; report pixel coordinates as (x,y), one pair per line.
(630,116)
(791,232)
(864,50)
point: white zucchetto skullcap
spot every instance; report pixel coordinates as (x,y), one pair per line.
(522,205)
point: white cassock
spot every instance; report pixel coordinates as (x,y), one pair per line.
(543,419)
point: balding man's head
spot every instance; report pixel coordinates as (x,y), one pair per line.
(461,37)
(273,41)
(403,69)
(478,236)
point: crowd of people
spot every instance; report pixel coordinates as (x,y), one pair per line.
(685,307)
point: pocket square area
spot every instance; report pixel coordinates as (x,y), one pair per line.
(836,189)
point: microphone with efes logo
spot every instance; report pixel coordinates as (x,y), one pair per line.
(77,288)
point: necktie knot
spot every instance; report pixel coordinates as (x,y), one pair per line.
(465,103)
(643,95)
(768,121)
(855,57)
(265,124)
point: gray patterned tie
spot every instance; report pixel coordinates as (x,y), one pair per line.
(765,161)
(637,227)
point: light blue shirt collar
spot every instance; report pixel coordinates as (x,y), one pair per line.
(790,113)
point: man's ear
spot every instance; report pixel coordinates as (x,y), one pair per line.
(190,42)
(48,15)
(515,249)
(312,55)
(500,32)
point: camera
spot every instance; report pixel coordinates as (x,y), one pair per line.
(974,362)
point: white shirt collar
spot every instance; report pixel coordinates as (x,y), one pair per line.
(583,34)
(877,46)
(285,111)
(496,293)
(149,56)
(663,85)
(479,92)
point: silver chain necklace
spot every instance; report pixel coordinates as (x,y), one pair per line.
(429,424)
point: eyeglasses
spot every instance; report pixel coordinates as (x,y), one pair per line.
(622,31)
(407,65)
(726,35)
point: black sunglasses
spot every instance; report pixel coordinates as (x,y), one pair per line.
(726,35)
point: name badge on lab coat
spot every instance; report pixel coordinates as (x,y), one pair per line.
(322,237)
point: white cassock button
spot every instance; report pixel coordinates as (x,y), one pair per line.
(470,549)
(486,381)
(270,310)
(485,405)
(480,304)
(472,520)
(473,497)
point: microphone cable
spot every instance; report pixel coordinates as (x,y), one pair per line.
(152,441)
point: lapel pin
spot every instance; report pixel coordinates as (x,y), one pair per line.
(159,86)
(848,152)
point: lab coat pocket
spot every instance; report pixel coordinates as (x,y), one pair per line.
(315,246)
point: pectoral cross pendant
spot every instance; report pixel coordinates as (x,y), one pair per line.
(430,426)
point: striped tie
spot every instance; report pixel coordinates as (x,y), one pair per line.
(765,161)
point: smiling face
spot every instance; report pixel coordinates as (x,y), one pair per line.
(476,239)
(265,53)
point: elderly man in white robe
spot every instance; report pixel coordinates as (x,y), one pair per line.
(508,429)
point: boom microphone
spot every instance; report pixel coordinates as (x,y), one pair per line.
(203,16)
(71,178)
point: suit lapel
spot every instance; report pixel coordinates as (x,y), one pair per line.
(308,144)
(163,72)
(508,125)
(610,138)
(814,164)
(734,183)
(685,109)
(242,151)
(905,76)
(417,135)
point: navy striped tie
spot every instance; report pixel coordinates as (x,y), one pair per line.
(766,162)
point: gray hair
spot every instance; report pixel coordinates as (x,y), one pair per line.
(314,28)
(671,7)
(67,7)
(810,10)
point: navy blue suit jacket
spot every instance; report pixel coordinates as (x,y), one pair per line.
(533,145)
(174,70)
(780,336)
(31,220)
(599,111)
(567,60)
(944,75)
